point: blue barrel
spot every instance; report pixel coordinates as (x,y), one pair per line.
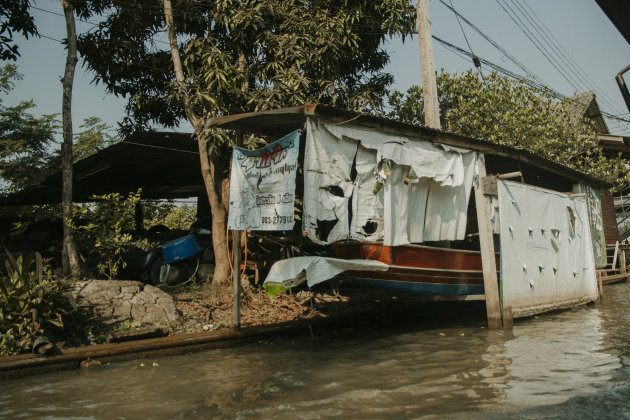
(180,248)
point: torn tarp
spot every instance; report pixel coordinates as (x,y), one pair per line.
(340,168)
(288,273)
(327,185)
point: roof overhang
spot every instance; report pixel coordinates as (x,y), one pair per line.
(281,121)
(164,165)
(618,11)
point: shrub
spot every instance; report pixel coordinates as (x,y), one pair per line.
(31,302)
(105,233)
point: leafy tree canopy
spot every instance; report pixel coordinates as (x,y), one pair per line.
(245,55)
(27,142)
(24,139)
(14,17)
(505,111)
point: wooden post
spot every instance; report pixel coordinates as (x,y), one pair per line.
(488,261)
(614,263)
(622,260)
(236,279)
(429,84)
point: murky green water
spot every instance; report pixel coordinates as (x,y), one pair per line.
(572,364)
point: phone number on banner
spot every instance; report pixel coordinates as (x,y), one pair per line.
(274,220)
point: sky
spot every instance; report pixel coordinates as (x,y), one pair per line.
(579,29)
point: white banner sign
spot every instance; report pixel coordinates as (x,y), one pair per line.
(262,186)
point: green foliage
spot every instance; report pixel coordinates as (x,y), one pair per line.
(246,56)
(509,112)
(24,138)
(102,229)
(92,138)
(14,17)
(31,301)
(173,216)
(8,75)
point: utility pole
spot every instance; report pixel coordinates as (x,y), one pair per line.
(429,84)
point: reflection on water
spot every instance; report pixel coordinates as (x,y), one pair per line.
(568,364)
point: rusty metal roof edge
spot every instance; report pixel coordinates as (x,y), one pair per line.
(302,109)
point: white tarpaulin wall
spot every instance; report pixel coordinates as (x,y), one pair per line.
(431,207)
(546,253)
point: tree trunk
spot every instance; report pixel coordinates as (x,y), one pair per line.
(212,178)
(70,256)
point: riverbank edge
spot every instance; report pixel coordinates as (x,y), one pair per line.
(23,365)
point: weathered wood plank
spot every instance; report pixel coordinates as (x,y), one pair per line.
(489,268)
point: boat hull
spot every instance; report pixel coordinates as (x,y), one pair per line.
(416,269)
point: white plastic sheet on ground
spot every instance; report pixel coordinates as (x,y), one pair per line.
(431,207)
(546,253)
(262,186)
(285,274)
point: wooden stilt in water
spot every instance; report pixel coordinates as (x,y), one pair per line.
(488,262)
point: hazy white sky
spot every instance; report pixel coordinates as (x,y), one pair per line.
(580,27)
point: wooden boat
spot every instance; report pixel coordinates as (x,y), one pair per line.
(416,269)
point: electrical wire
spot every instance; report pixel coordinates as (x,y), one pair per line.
(540,35)
(518,22)
(562,53)
(474,57)
(503,51)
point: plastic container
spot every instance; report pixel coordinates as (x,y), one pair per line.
(180,248)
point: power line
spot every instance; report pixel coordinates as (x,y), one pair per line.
(503,51)
(528,81)
(537,34)
(475,59)
(573,65)
(518,22)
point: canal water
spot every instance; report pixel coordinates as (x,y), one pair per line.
(571,364)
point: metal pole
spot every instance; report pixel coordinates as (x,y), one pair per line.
(236,279)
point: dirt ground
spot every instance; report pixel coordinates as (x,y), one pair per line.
(204,309)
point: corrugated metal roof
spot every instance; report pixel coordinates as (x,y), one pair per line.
(164,165)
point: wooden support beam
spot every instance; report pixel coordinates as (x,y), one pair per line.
(623,268)
(488,262)
(509,175)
